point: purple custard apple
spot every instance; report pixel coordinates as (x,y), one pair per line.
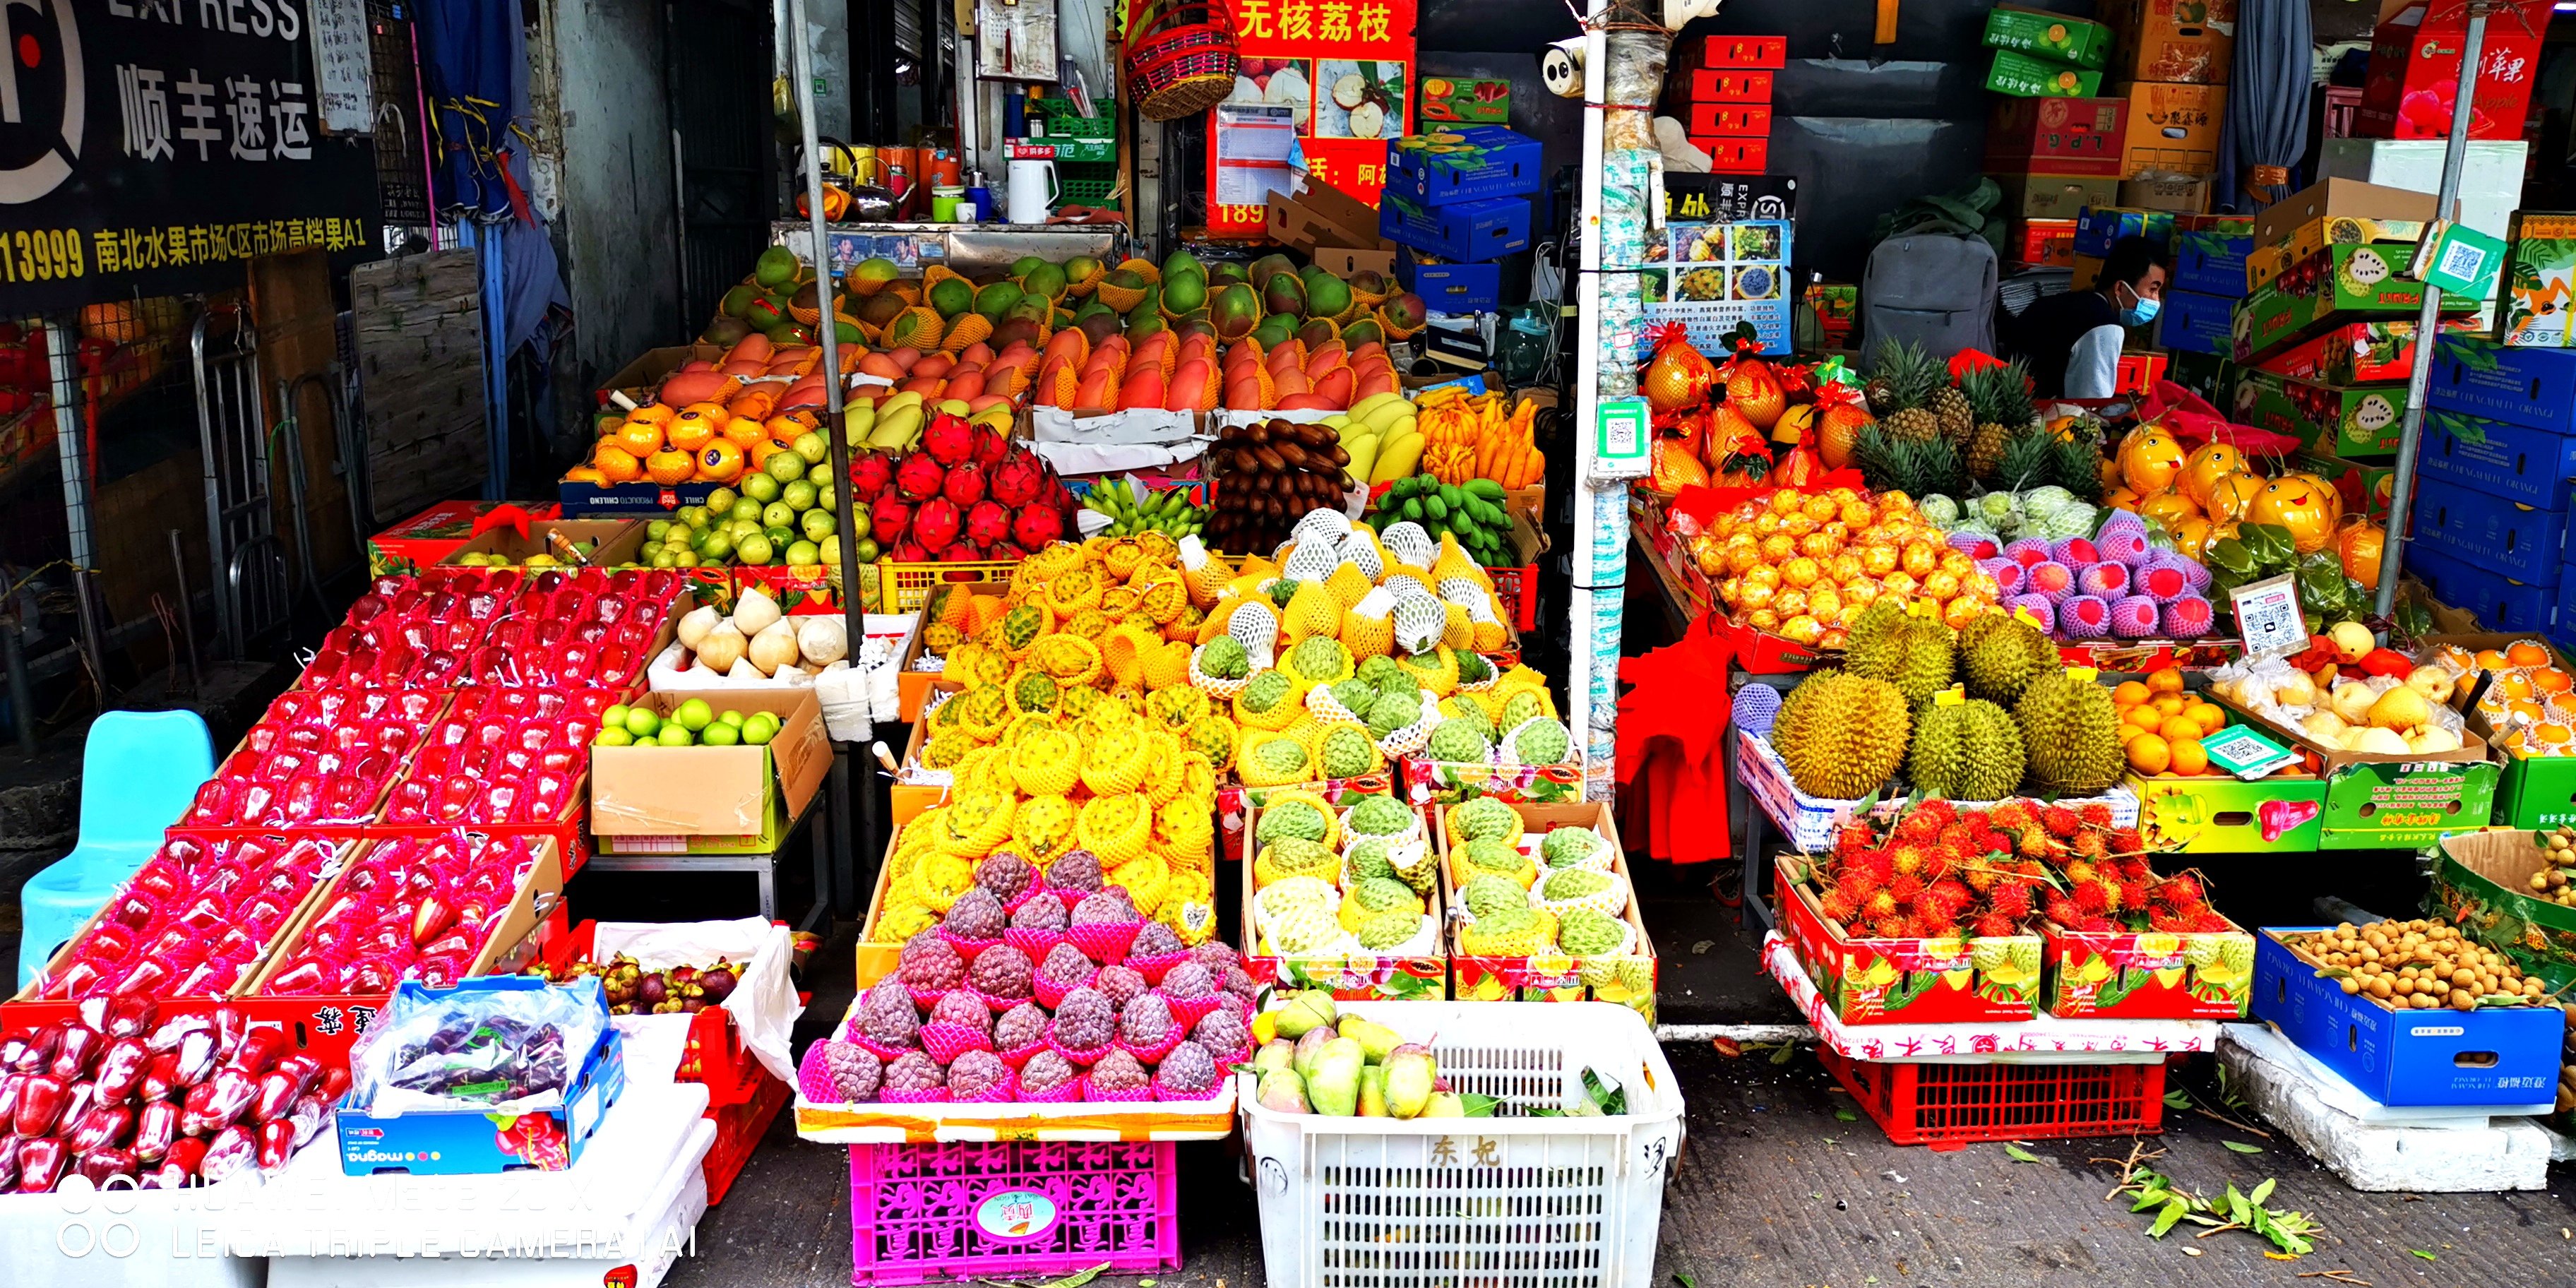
(1189,1071)
(976,915)
(930,963)
(976,1073)
(1039,914)
(1155,940)
(1075,870)
(1215,954)
(1085,1021)
(1120,984)
(1222,1031)
(962,1007)
(915,1071)
(1146,1021)
(1006,875)
(1187,981)
(855,1071)
(1104,908)
(1020,1027)
(1119,1071)
(1045,1072)
(1241,984)
(1002,971)
(1066,965)
(887,1017)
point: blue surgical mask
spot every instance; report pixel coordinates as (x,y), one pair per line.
(2142,312)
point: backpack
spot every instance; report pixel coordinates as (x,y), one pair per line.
(1932,290)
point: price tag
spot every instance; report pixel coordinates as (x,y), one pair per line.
(2082,674)
(2028,618)
(1922,607)
(2268,617)
(1954,696)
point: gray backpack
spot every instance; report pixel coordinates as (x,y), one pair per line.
(1932,290)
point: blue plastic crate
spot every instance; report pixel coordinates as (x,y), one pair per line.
(2193,323)
(2506,539)
(2515,462)
(2210,264)
(2533,387)
(1485,162)
(1470,232)
(2491,1056)
(1454,288)
(2500,603)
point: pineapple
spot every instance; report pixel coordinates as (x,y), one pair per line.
(1958,416)
(1916,467)
(1912,379)
(2001,396)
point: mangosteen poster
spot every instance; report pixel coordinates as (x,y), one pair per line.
(1345,69)
(152,147)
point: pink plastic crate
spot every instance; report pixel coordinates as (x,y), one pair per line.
(924,1213)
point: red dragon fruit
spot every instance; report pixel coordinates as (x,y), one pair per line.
(870,474)
(988,523)
(960,552)
(965,484)
(990,447)
(889,518)
(936,526)
(1018,479)
(1010,552)
(1037,525)
(919,477)
(909,551)
(949,440)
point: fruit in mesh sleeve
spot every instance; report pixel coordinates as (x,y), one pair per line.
(1119,1072)
(1301,930)
(1222,1031)
(1501,858)
(1568,884)
(1077,870)
(1588,932)
(1155,940)
(1041,914)
(1538,742)
(1460,741)
(1046,1072)
(1188,981)
(976,915)
(1020,1027)
(1567,846)
(928,962)
(1484,819)
(915,1071)
(1512,930)
(976,1074)
(1385,931)
(1188,1071)
(1298,815)
(1225,659)
(1085,1020)
(1378,895)
(1065,965)
(1345,751)
(1121,984)
(1107,907)
(1484,893)
(855,1072)
(1006,875)
(1370,858)
(1273,759)
(963,1008)
(1378,816)
(1145,1021)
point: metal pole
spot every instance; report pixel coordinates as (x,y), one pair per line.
(2454,157)
(22,698)
(187,613)
(71,439)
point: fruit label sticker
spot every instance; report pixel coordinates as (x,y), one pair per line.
(2268,618)
(1016,1215)
(1954,696)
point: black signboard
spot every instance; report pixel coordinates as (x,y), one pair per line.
(152,147)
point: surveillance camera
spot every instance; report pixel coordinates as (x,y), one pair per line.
(1679,12)
(1561,68)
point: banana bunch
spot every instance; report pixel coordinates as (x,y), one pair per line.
(1168,512)
(1473,511)
(1378,431)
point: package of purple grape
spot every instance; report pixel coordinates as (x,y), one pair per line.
(497,1074)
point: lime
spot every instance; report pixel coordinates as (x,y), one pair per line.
(694,714)
(722,498)
(674,736)
(657,530)
(804,554)
(777,514)
(746,508)
(641,722)
(759,487)
(613,737)
(759,728)
(785,466)
(798,496)
(614,716)
(755,550)
(731,717)
(720,734)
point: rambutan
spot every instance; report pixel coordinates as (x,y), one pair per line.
(2080,871)
(2094,813)
(2063,911)
(1981,880)
(1959,835)
(1836,907)
(2060,821)
(1906,859)
(2182,891)
(1878,864)
(1906,889)
(1941,812)
(2089,844)
(1855,884)
(1888,927)
(1881,905)
(1852,839)
(1938,862)
(2035,842)
(2099,926)
(1950,897)
(2206,922)
(1995,925)
(2096,897)
(1921,825)
(2011,816)
(2166,923)
(2011,898)
(1929,924)
(2031,868)
(2126,841)
(2134,898)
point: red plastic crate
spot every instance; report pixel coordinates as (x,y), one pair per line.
(1517,588)
(1014,1209)
(2139,372)
(738,1132)
(1959,1104)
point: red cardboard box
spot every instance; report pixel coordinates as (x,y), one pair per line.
(1730,120)
(2415,71)
(1739,51)
(1730,85)
(2057,135)
(2047,243)
(1735,156)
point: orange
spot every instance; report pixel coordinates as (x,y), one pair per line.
(2178,729)
(670,469)
(2168,680)
(712,411)
(784,428)
(720,461)
(2168,703)
(2550,679)
(2491,659)
(2189,758)
(2549,734)
(690,432)
(2526,653)
(585,474)
(2149,754)
(640,438)
(654,414)
(616,464)
(2142,717)
(2514,684)
(745,433)
(2211,716)
(2129,694)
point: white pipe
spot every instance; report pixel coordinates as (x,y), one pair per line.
(1594,745)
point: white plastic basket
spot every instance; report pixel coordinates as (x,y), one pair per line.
(1502,1202)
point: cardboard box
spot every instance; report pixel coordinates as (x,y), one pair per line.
(1356,977)
(1334,229)
(1471,231)
(2287,222)
(2490,1056)
(1729,120)
(1907,981)
(1456,288)
(2528,466)
(2490,181)
(2539,281)
(2100,226)
(2482,884)
(1729,85)
(637,380)
(2056,135)
(2181,196)
(1627,979)
(2189,41)
(2053,36)
(1464,100)
(2127,975)
(2030,77)
(2503,537)
(2392,802)
(2355,353)
(2280,813)
(2364,486)
(2490,599)
(1734,156)
(2042,242)
(2054,196)
(628,500)
(1736,51)
(461,1141)
(2414,71)
(617,541)
(2520,386)
(2173,128)
(2333,287)
(433,534)
(2194,323)
(2338,420)
(1470,163)
(710,800)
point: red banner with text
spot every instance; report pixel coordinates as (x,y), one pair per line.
(1334,76)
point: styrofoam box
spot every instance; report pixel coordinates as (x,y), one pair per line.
(1809,821)
(2490,185)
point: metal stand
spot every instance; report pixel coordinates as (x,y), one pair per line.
(249,567)
(763,867)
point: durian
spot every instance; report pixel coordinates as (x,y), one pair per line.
(1968,751)
(2070,731)
(1916,654)
(1999,655)
(1842,736)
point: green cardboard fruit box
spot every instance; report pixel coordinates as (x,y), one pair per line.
(2378,802)
(2030,77)
(2482,885)
(2531,791)
(2050,35)
(2283,813)
(2338,284)
(2336,420)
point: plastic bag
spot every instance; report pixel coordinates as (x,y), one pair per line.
(498,1050)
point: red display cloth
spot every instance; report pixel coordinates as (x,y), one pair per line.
(1671,750)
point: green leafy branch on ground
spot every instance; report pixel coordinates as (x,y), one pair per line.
(2232,1210)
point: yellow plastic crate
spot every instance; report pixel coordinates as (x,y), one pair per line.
(904,587)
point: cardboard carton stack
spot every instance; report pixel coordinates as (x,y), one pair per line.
(2063,153)
(2414,75)
(2207,280)
(1458,200)
(2319,263)
(2039,54)
(2491,527)
(2171,65)
(1726,88)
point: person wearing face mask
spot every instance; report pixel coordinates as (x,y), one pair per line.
(2072,340)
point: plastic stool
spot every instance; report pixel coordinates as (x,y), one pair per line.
(139,772)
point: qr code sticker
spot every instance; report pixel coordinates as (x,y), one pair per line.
(2463,261)
(2267,616)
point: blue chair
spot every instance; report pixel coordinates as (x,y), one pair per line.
(139,773)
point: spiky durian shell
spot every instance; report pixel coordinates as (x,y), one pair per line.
(2000,654)
(2070,731)
(1916,654)
(1970,751)
(1842,735)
